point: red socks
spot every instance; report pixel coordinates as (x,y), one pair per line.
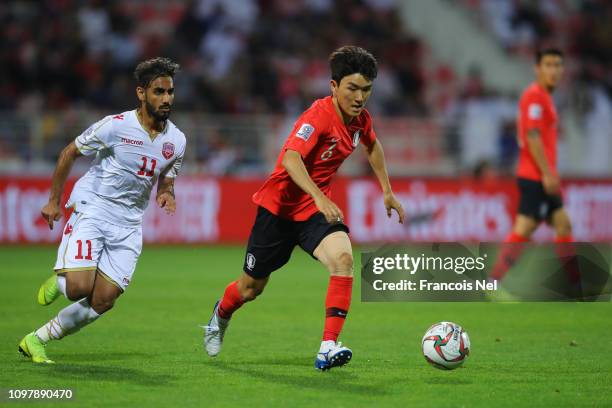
(337,304)
(231,301)
(509,253)
(567,257)
(511,250)
(567,238)
(516,238)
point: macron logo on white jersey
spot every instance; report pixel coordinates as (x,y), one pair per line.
(306,130)
(132,142)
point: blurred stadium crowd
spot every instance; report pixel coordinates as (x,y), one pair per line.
(238,56)
(268,57)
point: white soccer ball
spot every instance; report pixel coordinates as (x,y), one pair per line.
(446,345)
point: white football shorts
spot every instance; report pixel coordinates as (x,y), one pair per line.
(89,243)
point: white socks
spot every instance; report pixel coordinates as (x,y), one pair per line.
(61,284)
(69,320)
(326,345)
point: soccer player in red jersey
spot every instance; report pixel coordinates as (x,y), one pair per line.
(538,180)
(295,206)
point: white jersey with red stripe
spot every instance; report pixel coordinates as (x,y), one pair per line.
(126,166)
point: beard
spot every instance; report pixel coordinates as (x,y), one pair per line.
(158,115)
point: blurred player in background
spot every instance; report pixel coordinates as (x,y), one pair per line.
(538,179)
(295,208)
(102,239)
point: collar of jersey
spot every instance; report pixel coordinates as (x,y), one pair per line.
(330,107)
(152,135)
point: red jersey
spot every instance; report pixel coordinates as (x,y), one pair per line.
(536,111)
(324,142)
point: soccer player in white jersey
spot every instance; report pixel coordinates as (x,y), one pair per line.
(102,239)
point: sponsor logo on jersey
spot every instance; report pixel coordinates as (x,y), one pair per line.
(168,150)
(120,117)
(356,138)
(306,130)
(126,281)
(132,142)
(250,261)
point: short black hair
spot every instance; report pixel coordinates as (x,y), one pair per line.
(147,71)
(541,53)
(349,60)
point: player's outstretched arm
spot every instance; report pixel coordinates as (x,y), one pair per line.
(165,194)
(293,163)
(550,180)
(51,211)
(376,157)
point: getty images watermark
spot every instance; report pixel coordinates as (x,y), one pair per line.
(463,272)
(413,264)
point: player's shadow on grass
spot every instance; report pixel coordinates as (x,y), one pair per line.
(98,356)
(343,379)
(96,373)
(282,362)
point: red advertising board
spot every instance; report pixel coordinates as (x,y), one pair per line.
(213,210)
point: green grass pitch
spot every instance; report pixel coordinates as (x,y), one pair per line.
(148,350)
